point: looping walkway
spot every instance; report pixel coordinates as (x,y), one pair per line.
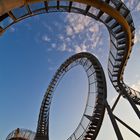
(91,121)
(113,13)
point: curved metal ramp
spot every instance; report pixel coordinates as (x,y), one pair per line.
(113,13)
(91,121)
(115,16)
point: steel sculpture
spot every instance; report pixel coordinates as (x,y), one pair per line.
(92,118)
(113,13)
(91,121)
(115,16)
(21,134)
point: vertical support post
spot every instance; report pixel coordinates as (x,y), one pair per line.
(12,16)
(58,4)
(114,105)
(70,5)
(114,123)
(132,130)
(132,104)
(46,5)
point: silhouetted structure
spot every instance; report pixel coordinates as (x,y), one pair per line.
(94,111)
(116,17)
(21,134)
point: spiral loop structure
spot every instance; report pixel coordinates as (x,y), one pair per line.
(113,13)
(118,20)
(94,111)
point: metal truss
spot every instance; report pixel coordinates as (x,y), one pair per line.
(115,16)
(113,13)
(21,134)
(91,121)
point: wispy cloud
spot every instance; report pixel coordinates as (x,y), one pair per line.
(80,33)
(81,48)
(137,36)
(78,23)
(85,33)
(12,29)
(76,33)
(132,4)
(136,86)
(63,47)
(138,7)
(46,26)
(45,38)
(69,30)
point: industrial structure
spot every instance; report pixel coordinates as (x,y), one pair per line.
(118,20)
(94,110)
(21,134)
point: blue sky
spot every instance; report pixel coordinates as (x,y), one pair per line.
(30,53)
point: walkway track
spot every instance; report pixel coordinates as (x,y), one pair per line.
(92,118)
(113,13)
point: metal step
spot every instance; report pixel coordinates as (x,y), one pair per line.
(108,19)
(99,14)
(87,9)
(114,25)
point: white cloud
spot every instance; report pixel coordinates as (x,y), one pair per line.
(95,28)
(84,29)
(53,45)
(132,4)
(77,22)
(52,68)
(12,29)
(46,38)
(61,37)
(80,33)
(69,30)
(63,47)
(67,39)
(138,7)
(137,36)
(78,49)
(81,48)
(45,24)
(136,86)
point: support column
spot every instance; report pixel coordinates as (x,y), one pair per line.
(114,123)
